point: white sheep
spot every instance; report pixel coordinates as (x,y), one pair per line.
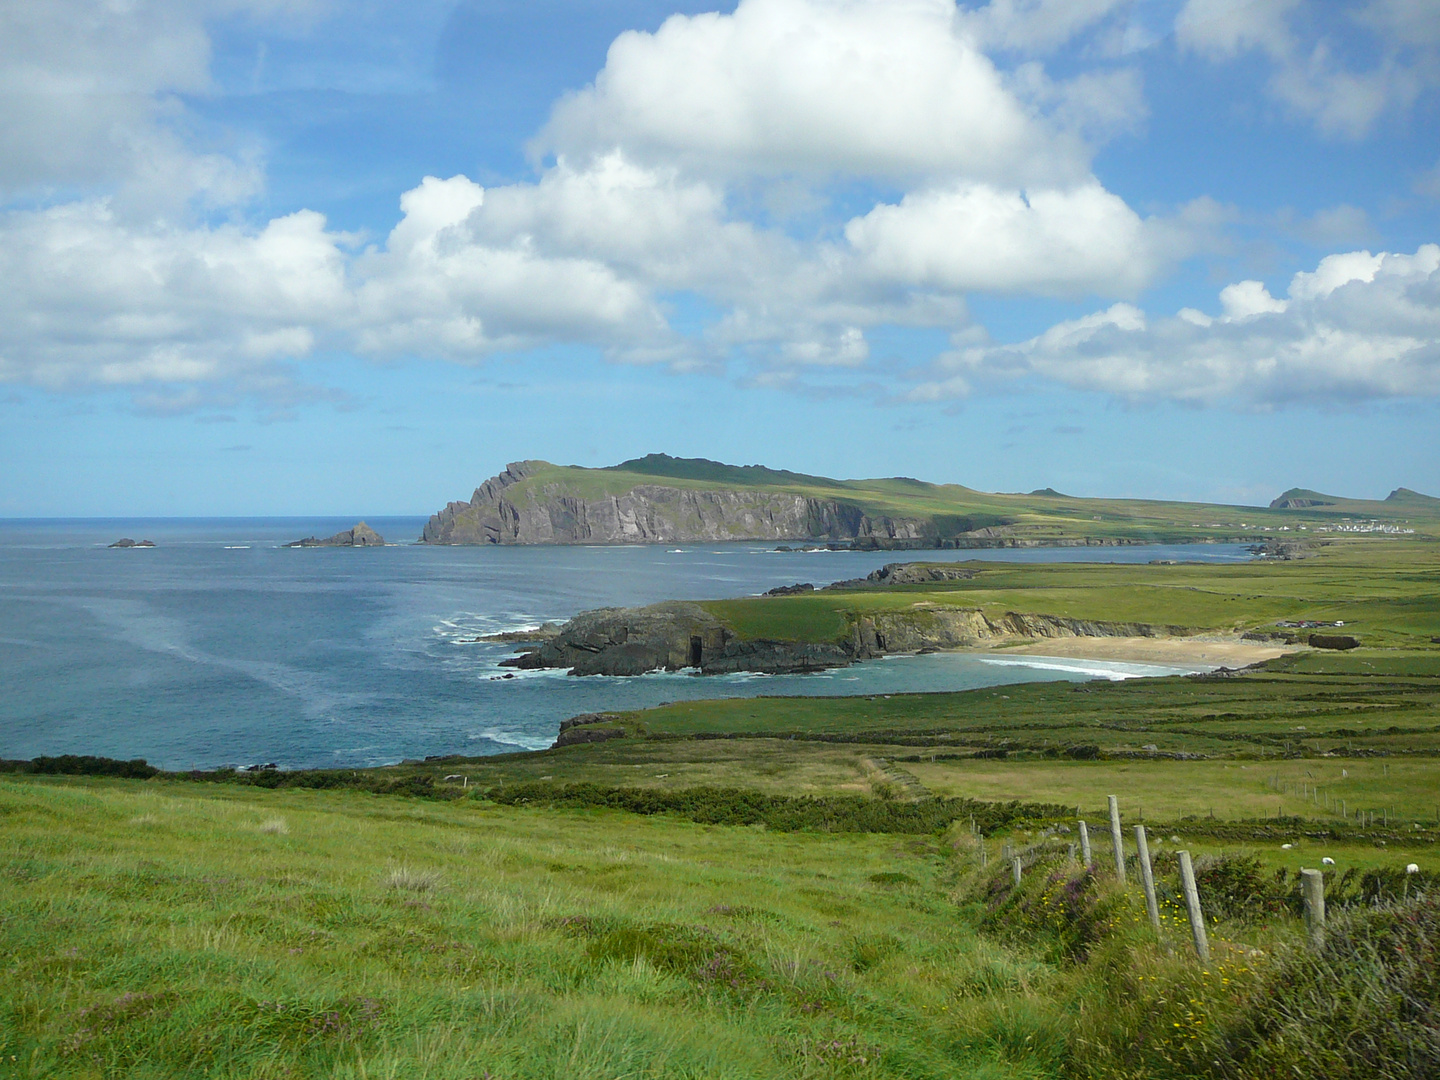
(1328,861)
(1413,868)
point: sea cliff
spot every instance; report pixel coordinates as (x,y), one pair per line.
(505,510)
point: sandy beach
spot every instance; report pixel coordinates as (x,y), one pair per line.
(1228,652)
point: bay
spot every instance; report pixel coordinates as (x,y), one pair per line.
(221,647)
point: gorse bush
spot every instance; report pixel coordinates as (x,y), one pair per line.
(1367,1005)
(1057,908)
(1239,887)
(1364,1007)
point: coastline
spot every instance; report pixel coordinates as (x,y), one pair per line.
(1208,649)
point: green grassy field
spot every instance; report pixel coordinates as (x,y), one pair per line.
(167,928)
(176,929)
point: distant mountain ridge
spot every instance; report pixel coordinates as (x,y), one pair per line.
(662,499)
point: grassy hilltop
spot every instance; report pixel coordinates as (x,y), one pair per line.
(1041,516)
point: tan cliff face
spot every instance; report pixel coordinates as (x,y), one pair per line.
(501,513)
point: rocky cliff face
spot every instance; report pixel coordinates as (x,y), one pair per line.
(675,636)
(500,512)
(669,637)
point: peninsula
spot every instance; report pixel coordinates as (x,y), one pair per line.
(661,499)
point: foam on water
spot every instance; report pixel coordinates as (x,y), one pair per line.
(1115,670)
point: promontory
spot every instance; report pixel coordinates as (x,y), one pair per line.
(658,499)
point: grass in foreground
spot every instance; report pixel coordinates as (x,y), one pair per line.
(164,929)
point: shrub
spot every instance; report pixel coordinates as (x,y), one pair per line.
(1366,1005)
(1060,911)
(1237,887)
(83,765)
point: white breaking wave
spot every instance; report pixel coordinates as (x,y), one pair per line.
(1114,670)
(513,738)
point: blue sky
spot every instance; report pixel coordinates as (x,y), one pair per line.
(314,257)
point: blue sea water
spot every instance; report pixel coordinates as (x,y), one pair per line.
(219,646)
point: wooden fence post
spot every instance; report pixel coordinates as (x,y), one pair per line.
(1312,890)
(1192,908)
(1117,839)
(1015,869)
(1085,843)
(1148,877)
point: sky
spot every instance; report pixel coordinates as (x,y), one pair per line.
(305,257)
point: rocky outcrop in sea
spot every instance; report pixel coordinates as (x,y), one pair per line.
(361,535)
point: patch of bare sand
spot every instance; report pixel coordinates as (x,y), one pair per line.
(1217,651)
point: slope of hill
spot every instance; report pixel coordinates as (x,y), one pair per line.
(662,499)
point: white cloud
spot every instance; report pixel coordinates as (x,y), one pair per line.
(439,289)
(648,207)
(1359,326)
(1311,75)
(96,300)
(977,238)
(1248,298)
(92,299)
(894,90)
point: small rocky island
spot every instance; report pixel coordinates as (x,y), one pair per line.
(126,542)
(361,535)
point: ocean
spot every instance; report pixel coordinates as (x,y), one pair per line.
(221,647)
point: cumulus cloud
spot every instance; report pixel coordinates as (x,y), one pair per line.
(1359,326)
(91,298)
(1311,74)
(893,90)
(439,288)
(648,204)
(95,299)
(979,238)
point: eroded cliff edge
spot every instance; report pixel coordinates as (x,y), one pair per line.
(503,510)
